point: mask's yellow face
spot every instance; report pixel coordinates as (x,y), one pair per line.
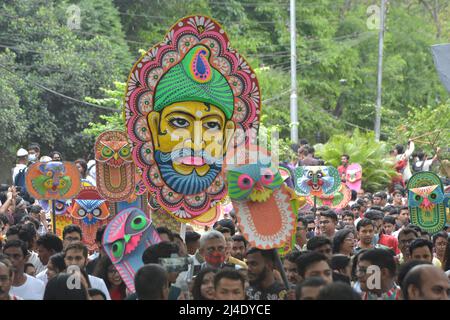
(193,126)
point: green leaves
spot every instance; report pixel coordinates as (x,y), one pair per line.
(363,149)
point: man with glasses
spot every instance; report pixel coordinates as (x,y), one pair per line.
(71,233)
(328,221)
(405,238)
(376,273)
(23,285)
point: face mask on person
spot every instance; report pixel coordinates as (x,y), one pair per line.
(215,258)
(32,157)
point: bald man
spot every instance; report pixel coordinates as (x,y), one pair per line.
(425,282)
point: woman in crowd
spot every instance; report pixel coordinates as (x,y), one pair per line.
(440,241)
(108,272)
(55,265)
(344,242)
(203,288)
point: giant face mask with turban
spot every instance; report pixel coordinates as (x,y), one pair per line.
(191,124)
(189,99)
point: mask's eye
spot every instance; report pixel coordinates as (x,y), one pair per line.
(138,223)
(267,177)
(97,212)
(81,212)
(118,249)
(212,125)
(48,184)
(59,205)
(433,196)
(245,182)
(107,152)
(179,123)
(417,197)
(310,174)
(124,152)
(50,174)
(319,174)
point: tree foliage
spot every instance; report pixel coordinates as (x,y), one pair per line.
(377,169)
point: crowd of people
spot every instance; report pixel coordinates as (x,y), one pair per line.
(366,251)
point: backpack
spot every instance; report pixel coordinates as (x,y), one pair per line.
(19,180)
(417,168)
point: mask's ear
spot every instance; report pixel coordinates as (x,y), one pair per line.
(229,132)
(153,124)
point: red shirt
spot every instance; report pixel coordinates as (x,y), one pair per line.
(389,241)
(116,294)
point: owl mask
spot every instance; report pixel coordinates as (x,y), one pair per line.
(426,201)
(90,212)
(115,170)
(125,239)
(262,204)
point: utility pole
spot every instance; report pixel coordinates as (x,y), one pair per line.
(380,71)
(294,115)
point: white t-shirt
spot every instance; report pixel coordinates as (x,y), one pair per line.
(16,170)
(34,259)
(99,284)
(426,165)
(43,276)
(32,289)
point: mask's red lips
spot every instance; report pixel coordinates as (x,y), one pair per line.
(192,161)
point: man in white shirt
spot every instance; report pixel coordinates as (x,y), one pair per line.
(22,161)
(400,155)
(424,164)
(23,285)
(47,245)
(76,254)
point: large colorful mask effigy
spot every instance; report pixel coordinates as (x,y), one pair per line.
(89,211)
(337,200)
(115,170)
(426,200)
(317,180)
(188,99)
(53,180)
(262,203)
(125,239)
(353,176)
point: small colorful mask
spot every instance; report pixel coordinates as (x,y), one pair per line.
(53,180)
(90,212)
(338,200)
(317,180)
(353,176)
